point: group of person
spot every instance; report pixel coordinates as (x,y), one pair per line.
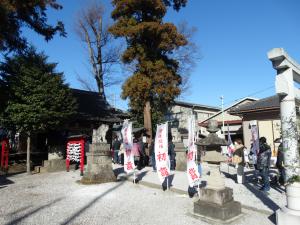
(138,148)
(140,157)
(261,160)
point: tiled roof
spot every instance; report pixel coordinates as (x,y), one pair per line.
(262,104)
(228,109)
(188,104)
(93,107)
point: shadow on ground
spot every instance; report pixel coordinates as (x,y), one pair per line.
(168,182)
(263,197)
(4,181)
(90,204)
(36,210)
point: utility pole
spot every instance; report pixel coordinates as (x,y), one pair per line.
(222,102)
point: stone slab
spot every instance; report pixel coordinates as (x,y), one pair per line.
(217,212)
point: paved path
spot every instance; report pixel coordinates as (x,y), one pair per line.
(56,198)
(248,193)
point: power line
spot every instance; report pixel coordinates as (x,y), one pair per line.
(252,94)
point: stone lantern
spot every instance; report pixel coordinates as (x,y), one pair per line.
(216,201)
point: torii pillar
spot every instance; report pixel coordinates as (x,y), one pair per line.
(288,72)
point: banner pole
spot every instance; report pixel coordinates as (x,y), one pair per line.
(134,176)
(168,183)
(199,188)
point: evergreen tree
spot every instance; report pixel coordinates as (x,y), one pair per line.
(31,13)
(150,43)
(35,97)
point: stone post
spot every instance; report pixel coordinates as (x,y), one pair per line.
(180,156)
(99,166)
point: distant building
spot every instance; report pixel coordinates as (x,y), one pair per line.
(178,115)
(231,122)
(265,113)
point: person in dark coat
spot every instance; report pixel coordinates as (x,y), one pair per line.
(116,148)
(171,153)
(263,162)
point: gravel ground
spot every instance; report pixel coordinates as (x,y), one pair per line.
(56,198)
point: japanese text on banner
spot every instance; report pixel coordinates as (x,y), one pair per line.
(161,152)
(127,142)
(192,171)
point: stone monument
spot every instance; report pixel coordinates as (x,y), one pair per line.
(216,201)
(180,151)
(99,168)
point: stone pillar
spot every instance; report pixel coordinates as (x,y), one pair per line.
(180,156)
(288,123)
(288,71)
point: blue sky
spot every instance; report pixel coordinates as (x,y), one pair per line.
(233,37)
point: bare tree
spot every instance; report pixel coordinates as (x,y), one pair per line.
(187,55)
(103,53)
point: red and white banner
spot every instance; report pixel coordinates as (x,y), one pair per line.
(161,152)
(192,170)
(127,142)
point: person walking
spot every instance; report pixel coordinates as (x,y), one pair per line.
(263,163)
(239,160)
(116,148)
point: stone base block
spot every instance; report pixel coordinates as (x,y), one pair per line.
(103,174)
(220,197)
(286,216)
(217,212)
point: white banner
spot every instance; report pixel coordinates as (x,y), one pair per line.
(255,144)
(161,152)
(127,142)
(192,170)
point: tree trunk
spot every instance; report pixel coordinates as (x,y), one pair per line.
(28,154)
(148,122)
(101,87)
